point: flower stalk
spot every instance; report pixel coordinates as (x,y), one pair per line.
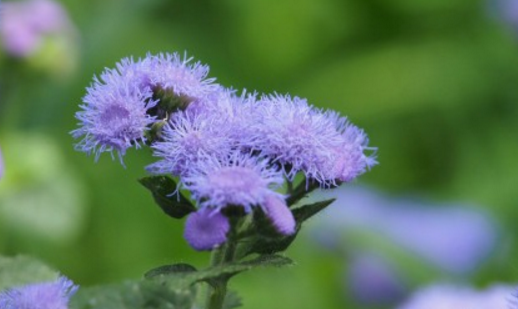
(218,287)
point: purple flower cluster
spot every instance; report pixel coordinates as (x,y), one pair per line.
(227,149)
(45,295)
(118,107)
(302,138)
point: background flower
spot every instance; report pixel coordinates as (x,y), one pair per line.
(455,238)
(39,32)
(24,24)
(372,280)
(451,296)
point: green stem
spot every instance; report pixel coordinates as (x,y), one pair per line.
(302,190)
(289,186)
(217,294)
(218,288)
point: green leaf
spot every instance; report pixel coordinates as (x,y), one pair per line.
(22,270)
(147,294)
(161,188)
(211,274)
(268,260)
(305,212)
(229,270)
(270,245)
(302,190)
(268,241)
(180,268)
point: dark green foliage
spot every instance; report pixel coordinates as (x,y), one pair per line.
(305,212)
(147,294)
(162,189)
(169,287)
(179,268)
(268,241)
(186,275)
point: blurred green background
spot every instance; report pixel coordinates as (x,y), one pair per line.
(432,82)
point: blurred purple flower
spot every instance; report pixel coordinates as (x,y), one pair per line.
(371,280)
(240,180)
(301,137)
(507,10)
(453,237)
(45,295)
(24,24)
(206,229)
(455,297)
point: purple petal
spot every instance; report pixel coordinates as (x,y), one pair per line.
(280,215)
(206,229)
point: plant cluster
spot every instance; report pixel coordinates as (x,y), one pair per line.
(246,161)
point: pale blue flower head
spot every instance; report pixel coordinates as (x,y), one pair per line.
(302,138)
(114,116)
(181,75)
(239,180)
(173,72)
(120,106)
(188,138)
(45,295)
(206,229)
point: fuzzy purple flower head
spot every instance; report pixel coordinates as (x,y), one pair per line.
(45,295)
(240,180)
(120,106)
(188,138)
(300,137)
(206,229)
(114,118)
(181,76)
